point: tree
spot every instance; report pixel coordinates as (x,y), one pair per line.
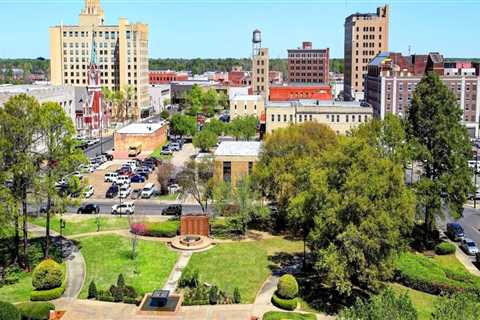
(194,100)
(59,156)
(19,140)
(461,306)
(223,100)
(216,126)
(245,203)
(165,114)
(363,212)
(184,125)
(195,179)
(443,149)
(285,158)
(128,94)
(385,306)
(205,140)
(210,102)
(244,128)
(164,172)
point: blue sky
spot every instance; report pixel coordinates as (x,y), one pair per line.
(222,28)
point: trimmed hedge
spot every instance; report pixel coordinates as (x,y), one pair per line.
(52,294)
(287,287)
(286,304)
(8,311)
(279,315)
(47,275)
(35,310)
(424,274)
(445,248)
(164,229)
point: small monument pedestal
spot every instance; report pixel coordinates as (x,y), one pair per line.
(159,298)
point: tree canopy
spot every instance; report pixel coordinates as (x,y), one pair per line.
(183,125)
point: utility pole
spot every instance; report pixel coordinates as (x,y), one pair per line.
(476,172)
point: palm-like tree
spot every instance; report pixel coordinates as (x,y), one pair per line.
(119,99)
(108,99)
(129,93)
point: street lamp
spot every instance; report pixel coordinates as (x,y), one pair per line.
(98,221)
(62,227)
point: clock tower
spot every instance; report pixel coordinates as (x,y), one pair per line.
(92,14)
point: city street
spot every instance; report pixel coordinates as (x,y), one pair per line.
(106,145)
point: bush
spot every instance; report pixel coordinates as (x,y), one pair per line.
(130,301)
(445,248)
(287,287)
(421,273)
(236,296)
(106,298)
(47,275)
(47,295)
(189,279)
(279,315)
(120,281)
(92,290)
(164,229)
(117,293)
(35,310)
(129,292)
(213,295)
(8,311)
(286,304)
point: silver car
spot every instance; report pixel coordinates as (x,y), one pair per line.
(469,246)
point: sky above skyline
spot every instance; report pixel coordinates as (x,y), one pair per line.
(222,28)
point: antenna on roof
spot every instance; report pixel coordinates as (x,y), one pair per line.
(409,49)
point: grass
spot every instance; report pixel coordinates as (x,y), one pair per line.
(245,265)
(107,256)
(423,302)
(279,315)
(18,292)
(168,197)
(79,226)
(157,154)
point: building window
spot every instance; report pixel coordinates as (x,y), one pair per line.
(273,118)
(227,171)
(250,167)
(284,118)
(338,118)
(278,118)
(291,118)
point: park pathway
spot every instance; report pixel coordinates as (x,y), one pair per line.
(176,274)
(73,258)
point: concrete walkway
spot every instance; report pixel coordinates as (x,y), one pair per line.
(176,274)
(263,302)
(467,262)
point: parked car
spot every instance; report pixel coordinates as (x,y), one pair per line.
(88,191)
(137,179)
(112,192)
(469,246)
(166,150)
(125,191)
(124,208)
(173,210)
(121,180)
(148,191)
(136,194)
(89,209)
(455,231)
(174,146)
(111,177)
(143,173)
(174,188)
(86,168)
(108,156)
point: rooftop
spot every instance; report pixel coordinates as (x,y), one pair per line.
(27,88)
(238,148)
(245,97)
(141,128)
(316,103)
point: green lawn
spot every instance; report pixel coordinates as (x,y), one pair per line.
(106,256)
(157,154)
(78,226)
(18,292)
(242,264)
(423,302)
(168,197)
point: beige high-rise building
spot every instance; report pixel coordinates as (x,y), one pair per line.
(366,35)
(121,54)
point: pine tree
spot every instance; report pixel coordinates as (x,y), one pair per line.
(92,290)
(120,281)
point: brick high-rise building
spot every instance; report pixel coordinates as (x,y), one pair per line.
(366,35)
(122,54)
(308,65)
(392,78)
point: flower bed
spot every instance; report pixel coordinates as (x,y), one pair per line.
(167,229)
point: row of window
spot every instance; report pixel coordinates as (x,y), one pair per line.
(330,117)
(307,55)
(307,74)
(369,29)
(305,62)
(245,107)
(227,170)
(306,68)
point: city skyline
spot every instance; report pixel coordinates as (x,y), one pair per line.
(208,29)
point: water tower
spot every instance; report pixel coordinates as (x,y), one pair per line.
(256,42)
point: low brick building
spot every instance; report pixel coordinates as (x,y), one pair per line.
(296,91)
(234,159)
(149,135)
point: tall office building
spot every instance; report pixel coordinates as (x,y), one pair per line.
(366,35)
(308,65)
(260,66)
(122,54)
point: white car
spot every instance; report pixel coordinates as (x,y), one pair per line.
(89,191)
(111,177)
(148,191)
(121,180)
(86,168)
(174,188)
(469,246)
(125,191)
(124,208)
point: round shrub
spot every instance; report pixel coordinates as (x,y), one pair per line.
(287,287)
(286,304)
(445,248)
(47,275)
(35,310)
(8,311)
